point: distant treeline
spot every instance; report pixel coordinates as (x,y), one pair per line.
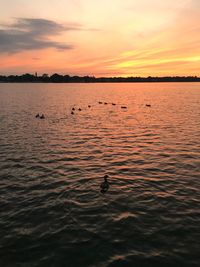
(57,78)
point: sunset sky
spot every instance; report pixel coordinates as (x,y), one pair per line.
(101,38)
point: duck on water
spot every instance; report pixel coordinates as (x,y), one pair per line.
(104,185)
(41,117)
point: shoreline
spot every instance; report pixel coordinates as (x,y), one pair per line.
(57,78)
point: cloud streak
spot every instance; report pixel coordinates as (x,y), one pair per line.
(33,34)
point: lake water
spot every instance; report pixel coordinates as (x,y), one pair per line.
(52,212)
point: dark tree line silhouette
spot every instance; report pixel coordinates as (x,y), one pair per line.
(57,78)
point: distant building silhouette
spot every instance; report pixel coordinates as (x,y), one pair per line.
(45,75)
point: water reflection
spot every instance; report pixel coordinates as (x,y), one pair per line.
(51,170)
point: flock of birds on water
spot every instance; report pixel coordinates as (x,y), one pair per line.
(89,106)
(38,116)
(104,186)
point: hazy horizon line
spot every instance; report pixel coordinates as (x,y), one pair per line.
(96,77)
(58,78)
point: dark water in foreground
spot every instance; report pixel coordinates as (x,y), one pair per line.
(52,212)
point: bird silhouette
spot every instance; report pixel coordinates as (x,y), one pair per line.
(105,184)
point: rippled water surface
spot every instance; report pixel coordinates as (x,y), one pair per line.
(52,212)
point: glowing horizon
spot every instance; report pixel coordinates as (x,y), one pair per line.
(88,37)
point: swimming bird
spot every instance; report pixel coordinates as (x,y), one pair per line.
(123,107)
(42,116)
(79,109)
(105,103)
(148,105)
(100,102)
(89,106)
(113,104)
(72,113)
(73,108)
(104,185)
(37,116)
